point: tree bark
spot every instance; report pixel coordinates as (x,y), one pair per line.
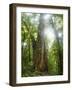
(41,55)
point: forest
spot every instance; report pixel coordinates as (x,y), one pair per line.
(41,44)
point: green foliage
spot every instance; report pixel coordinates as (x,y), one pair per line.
(29,39)
(53,61)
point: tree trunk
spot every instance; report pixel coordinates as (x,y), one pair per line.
(40,54)
(60,53)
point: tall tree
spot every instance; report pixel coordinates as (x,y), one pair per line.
(56,22)
(41,61)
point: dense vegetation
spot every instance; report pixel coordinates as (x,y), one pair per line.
(41,44)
